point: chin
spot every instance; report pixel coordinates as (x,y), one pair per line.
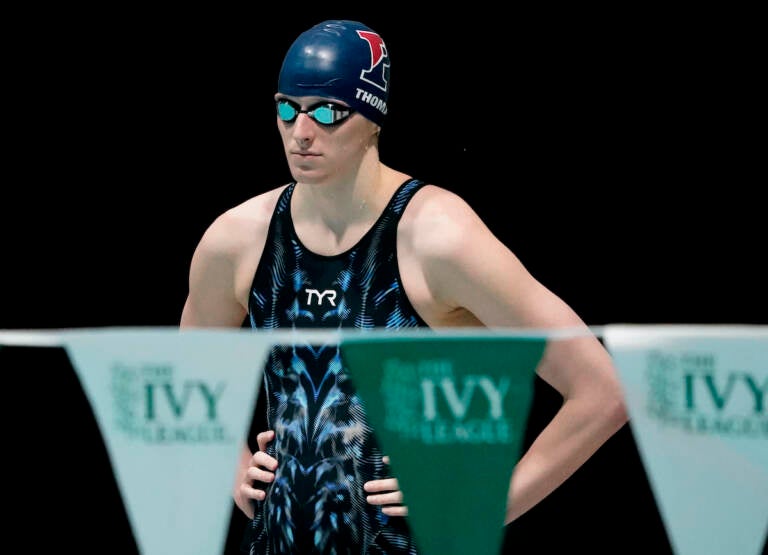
(308,176)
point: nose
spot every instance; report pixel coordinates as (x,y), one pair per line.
(303,129)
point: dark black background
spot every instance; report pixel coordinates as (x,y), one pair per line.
(614,152)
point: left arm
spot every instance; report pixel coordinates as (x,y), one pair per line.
(466,276)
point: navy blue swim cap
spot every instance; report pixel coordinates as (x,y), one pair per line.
(342,60)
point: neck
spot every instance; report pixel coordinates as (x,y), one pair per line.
(331,217)
(343,202)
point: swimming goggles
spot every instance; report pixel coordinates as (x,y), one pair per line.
(324,113)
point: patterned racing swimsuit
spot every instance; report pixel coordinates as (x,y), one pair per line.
(324,445)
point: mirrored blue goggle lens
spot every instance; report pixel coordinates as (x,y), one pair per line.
(325,115)
(286,112)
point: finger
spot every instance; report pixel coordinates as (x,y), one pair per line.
(256,474)
(261,459)
(263,438)
(385,459)
(386,484)
(395,510)
(249,492)
(389,498)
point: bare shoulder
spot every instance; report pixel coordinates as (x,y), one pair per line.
(238,227)
(438,221)
(225,260)
(451,264)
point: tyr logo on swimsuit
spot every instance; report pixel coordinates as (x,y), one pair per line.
(316,293)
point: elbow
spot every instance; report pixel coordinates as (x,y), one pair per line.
(616,413)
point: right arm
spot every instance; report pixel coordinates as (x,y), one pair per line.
(220,275)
